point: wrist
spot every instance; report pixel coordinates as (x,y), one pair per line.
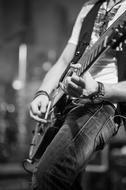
(41,92)
(98,95)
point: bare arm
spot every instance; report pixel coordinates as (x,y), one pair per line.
(115,92)
(52,77)
(39,105)
(87,86)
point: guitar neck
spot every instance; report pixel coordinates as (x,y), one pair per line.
(90,56)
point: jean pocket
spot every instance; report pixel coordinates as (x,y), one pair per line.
(109,130)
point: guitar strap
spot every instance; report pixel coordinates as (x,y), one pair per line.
(121,60)
(86,29)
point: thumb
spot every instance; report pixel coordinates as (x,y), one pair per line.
(43,106)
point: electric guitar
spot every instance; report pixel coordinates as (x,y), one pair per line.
(112,38)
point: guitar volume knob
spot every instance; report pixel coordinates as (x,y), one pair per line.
(78,53)
(116,30)
(120,34)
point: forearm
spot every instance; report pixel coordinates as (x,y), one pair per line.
(52,78)
(115,92)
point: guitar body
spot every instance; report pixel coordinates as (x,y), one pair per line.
(44,133)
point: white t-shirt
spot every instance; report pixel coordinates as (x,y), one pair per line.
(105,69)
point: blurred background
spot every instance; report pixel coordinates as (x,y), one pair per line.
(32,36)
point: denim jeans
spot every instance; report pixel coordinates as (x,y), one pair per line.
(85,130)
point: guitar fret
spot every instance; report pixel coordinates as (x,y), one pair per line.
(91,56)
(85,63)
(99,48)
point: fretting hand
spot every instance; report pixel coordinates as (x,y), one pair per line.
(80,87)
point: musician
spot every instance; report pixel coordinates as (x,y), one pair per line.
(91,119)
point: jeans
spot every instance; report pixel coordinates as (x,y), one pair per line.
(85,130)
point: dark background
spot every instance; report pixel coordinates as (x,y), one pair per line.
(33,33)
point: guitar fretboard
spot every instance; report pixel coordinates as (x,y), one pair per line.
(90,56)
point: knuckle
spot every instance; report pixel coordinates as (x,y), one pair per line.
(68,79)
